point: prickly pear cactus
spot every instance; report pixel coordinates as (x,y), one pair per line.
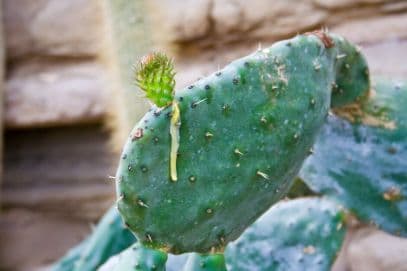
(360,158)
(301,234)
(196,173)
(205,262)
(108,238)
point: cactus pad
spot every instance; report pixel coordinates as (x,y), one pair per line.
(360,160)
(302,234)
(245,131)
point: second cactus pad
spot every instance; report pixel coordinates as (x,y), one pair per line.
(360,158)
(242,135)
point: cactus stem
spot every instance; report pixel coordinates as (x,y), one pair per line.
(174,131)
(263,175)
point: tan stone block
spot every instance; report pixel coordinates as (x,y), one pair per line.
(53,27)
(374,250)
(43,93)
(84,202)
(374,29)
(336,4)
(387,58)
(239,19)
(30,239)
(185,20)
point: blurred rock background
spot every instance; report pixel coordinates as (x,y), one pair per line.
(67,83)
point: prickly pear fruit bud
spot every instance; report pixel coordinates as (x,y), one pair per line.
(155,76)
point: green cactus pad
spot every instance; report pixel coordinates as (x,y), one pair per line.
(139,258)
(205,262)
(363,164)
(245,132)
(301,234)
(108,238)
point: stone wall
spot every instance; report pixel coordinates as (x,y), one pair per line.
(57,160)
(53,76)
(58,91)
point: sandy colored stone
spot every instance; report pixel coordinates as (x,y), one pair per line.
(387,58)
(53,27)
(54,170)
(375,29)
(280,18)
(84,202)
(238,19)
(374,250)
(227,16)
(30,239)
(335,4)
(41,93)
(185,20)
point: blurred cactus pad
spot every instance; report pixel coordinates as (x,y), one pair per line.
(360,157)
(195,173)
